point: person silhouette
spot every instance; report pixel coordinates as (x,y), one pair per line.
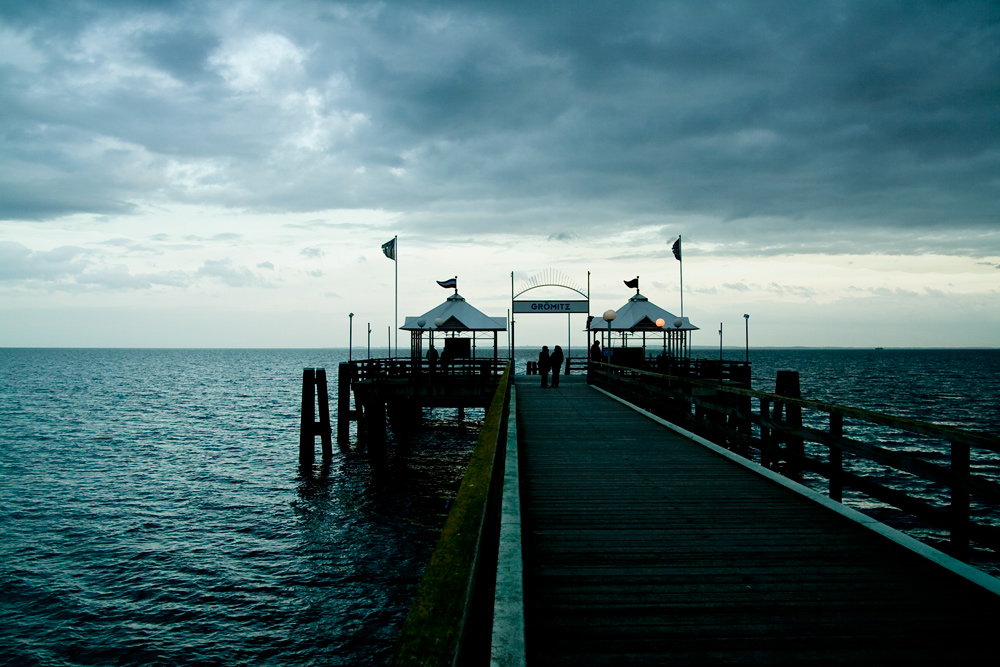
(432,358)
(543,365)
(555,361)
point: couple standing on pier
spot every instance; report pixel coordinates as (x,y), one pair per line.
(547,362)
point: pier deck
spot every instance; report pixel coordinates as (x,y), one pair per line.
(642,546)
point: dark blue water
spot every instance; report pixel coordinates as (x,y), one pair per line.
(152,511)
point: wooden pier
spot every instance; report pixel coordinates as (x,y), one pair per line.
(625,539)
(643,546)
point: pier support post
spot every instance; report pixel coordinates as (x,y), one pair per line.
(313,388)
(323,425)
(345,373)
(373,421)
(306,438)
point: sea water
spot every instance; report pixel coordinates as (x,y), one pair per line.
(153,512)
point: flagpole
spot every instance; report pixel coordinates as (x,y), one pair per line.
(395,315)
(679,254)
(681,260)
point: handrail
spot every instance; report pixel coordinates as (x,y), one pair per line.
(724,414)
(445,622)
(405,367)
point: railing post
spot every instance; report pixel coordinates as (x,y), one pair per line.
(836,458)
(959,498)
(787,384)
(766,441)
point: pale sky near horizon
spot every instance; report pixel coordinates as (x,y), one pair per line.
(223,174)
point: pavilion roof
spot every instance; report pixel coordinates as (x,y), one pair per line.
(639,314)
(455,314)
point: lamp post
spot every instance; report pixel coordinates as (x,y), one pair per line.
(418,344)
(746,319)
(660,322)
(609,316)
(369,340)
(720,346)
(350,337)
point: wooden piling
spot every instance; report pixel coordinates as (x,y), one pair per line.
(306,437)
(375,429)
(345,373)
(314,387)
(323,425)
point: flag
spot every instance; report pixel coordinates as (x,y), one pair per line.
(677,248)
(389,248)
(450,283)
(634,283)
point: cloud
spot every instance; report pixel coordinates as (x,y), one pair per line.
(71,268)
(18,262)
(224,271)
(131,245)
(815,128)
(562,236)
(120,278)
(312,253)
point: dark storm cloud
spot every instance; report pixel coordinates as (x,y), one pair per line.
(819,127)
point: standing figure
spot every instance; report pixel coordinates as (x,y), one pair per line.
(595,351)
(543,365)
(432,358)
(445,359)
(555,361)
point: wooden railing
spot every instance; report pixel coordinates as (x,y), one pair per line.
(450,621)
(926,470)
(404,367)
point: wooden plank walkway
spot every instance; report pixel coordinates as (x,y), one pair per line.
(643,547)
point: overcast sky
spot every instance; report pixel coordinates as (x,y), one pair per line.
(224,173)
